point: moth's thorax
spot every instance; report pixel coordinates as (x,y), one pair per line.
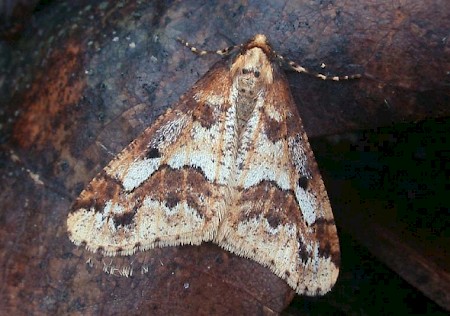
(252,73)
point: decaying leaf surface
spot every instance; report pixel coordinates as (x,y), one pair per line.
(86,88)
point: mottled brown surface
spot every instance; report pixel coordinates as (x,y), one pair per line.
(72,96)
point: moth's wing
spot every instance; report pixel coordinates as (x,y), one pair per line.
(281,216)
(166,187)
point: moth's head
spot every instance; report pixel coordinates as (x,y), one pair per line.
(253,64)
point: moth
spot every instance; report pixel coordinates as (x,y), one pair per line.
(229,163)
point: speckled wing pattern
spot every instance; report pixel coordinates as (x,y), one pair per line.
(229,163)
(168,187)
(280,215)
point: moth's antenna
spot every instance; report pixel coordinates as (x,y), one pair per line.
(222,52)
(298,68)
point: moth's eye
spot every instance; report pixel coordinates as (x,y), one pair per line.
(244,71)
(257,74)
